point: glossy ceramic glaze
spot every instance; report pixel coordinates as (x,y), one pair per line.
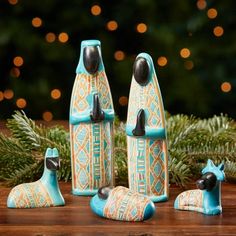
(43,193)
(91,123)
(146,133)
(123,204)
(206,200)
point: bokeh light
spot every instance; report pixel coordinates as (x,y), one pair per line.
(36,22)
(55,94)
(112,25)
(13,2)
(212,13)
(162,61)
(1,96)
(96,10)
(63,37)
(50,37)
(15,72)
(141,28)
(119,55)
(218,31)
(188,65)
(201,4)
(8,94)
(21,103)
(226,87)
(18,61)
(185,52)
(123,101)
(47,116)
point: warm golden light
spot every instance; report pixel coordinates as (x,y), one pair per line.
(212,13)
(188,65)
(15,72)
(141,28)
(218,31)
(36,22)
(47,116)
(8,94)
(55,94)
(185,52)
(21,103)
(112,25)
(119,55)
(13,2)
(18,61)
(96,10)
(201,4)
(162,61)
(1,96)
(63,37)
(50,37)
(226,87)
(123,101)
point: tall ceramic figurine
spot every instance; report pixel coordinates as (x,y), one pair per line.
(146,133)
(91,123)
(206,199)
(43,193)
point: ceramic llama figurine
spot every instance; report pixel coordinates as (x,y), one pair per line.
(120,203)
(206,199)
(91,123)
(146,133)
(43,193)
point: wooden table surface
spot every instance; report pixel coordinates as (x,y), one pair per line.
(76,218)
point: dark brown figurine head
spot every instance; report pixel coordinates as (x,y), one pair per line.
(207,181)
(91,59)
(141,71)
(103,192)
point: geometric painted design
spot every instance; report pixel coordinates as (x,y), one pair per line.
(191,200)
(124,204)
(91,143)
(30,195)
(153,158)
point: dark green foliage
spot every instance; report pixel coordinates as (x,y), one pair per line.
(191,142)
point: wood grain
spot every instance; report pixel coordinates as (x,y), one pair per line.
(76,218)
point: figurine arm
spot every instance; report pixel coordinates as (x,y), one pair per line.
(150,132)
(85,116)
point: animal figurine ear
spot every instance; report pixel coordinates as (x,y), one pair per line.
(221,166)
(210,163)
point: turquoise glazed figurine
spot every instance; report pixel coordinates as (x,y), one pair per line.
(120,203)
(91,123)
(43,193)
(206,199)
(146,133)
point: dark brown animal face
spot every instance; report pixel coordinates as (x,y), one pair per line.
(207,181)
(53,163)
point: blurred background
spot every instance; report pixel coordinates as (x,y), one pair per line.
(193,45)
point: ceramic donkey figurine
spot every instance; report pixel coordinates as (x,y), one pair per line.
(121,203)
(206,199)
(43,193)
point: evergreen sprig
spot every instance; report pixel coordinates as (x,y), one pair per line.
(191,141)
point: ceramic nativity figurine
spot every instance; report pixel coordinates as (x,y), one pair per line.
(91,123)
(207,198)
(43,193)
(146,133)
(122,204)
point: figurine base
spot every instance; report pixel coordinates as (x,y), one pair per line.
(84,193)
(162,198)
